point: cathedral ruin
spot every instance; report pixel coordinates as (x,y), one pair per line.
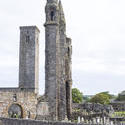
(25,101)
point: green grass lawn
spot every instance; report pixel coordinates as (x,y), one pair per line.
(119,114)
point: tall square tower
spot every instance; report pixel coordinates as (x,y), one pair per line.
(29,58)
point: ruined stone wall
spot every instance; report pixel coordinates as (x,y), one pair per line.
(68,76)
(4,121)
(58,78)
(62,82)
(42,111)
(118,106)
(27,100)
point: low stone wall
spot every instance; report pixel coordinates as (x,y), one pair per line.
(5,121)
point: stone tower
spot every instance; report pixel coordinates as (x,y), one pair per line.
(29,58)
(58,79)
(51,57)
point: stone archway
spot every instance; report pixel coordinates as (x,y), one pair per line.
(15,111)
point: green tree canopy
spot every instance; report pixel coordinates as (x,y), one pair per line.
(109,95)
(102,98)
(77,96)
(121,96)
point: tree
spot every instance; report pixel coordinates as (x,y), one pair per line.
(77,96)
(109,95)
(121,96)
(101,98)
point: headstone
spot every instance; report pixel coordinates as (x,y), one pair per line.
(98,120)
(111,122)
(82,119)
(94,120)
(79,119)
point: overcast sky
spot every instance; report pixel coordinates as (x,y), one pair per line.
(97,29)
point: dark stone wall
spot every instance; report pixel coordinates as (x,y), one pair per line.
(4,121)
(68,73)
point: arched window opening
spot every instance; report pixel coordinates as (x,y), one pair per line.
(15,111)
(52,15)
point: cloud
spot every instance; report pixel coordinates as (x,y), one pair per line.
(98,82)
(97,29)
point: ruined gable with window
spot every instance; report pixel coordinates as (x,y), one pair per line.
(24,101)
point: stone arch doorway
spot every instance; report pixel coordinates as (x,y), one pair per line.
(15,111)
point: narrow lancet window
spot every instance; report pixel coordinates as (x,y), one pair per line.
(68,51)
(52,15)
(27,39)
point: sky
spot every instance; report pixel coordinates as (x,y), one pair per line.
(97,29)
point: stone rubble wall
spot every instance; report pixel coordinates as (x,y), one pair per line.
(42,111)
(4,121)
(27,100)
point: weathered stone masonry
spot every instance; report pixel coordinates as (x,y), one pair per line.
(24,101)
(32,122)
(58,62)
(29,58)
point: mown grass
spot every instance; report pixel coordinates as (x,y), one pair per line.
(119,114)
